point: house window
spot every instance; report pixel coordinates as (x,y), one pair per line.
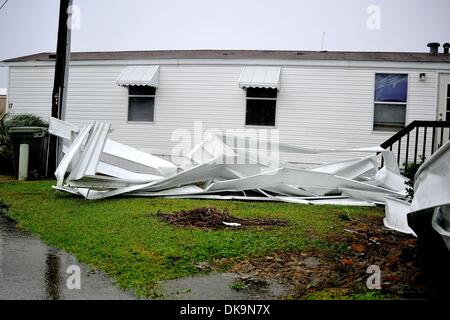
(141,103)
(391,92)
(261,107)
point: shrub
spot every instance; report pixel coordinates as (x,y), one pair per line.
(410,172)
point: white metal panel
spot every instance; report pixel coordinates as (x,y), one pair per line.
(139,76)
(71,154)
(62,129)
(260,77)
(90,157)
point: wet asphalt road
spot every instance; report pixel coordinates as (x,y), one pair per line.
(31,270)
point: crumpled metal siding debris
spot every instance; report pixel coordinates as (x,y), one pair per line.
(431,190)
(441,223)
(96,167)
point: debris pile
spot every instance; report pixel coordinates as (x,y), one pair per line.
(212,218)
(233,167)
(96,167)
(431,192)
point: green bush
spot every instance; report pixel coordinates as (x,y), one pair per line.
(410,172)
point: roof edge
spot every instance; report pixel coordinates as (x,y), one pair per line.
(240,54)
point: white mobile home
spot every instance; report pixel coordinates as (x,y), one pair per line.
(315,99)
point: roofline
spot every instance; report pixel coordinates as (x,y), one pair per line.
(26,57)
(239,54)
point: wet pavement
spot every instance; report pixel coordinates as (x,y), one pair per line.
(29,269)
(219,286)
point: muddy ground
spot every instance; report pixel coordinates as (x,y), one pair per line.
(406,273)
(214,219)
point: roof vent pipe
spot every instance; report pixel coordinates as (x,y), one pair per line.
(446,47)
(434,47)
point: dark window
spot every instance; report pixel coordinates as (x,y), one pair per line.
(391,91)
(141,91)
(261,107)
(261,93)
(141,103)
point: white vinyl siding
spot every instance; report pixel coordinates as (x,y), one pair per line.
(30,90)
(317,107)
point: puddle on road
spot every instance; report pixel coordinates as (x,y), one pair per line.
(218,286)
(29,269)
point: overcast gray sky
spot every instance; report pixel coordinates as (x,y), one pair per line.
(30,26)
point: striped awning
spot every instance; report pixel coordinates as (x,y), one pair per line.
(139,76)
(260,77)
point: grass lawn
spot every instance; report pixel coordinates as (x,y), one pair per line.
(124,238)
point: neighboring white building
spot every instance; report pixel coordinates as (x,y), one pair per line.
(315,99)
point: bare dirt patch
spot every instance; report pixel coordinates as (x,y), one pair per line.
(214,219)
(366,242)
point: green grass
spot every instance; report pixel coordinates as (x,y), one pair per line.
(123,237)
(329,294)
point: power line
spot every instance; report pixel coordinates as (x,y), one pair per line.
(6,1)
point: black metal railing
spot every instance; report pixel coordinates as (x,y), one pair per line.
(421,142)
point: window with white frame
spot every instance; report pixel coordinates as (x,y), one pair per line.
(261,107)
(141,103)
(391,91)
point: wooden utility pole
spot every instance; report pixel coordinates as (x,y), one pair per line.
(60,81)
